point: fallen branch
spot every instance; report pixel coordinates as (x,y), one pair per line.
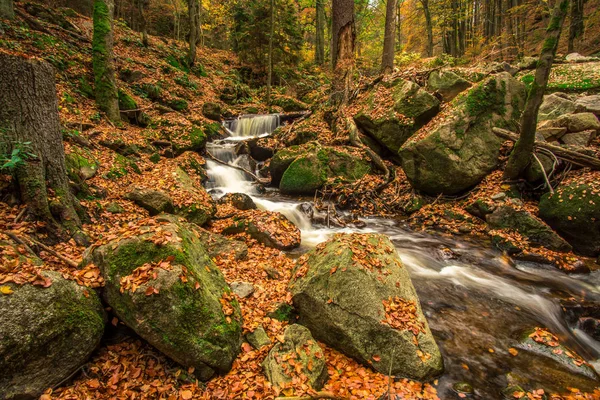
(572,156)
(256,178)
(19,240)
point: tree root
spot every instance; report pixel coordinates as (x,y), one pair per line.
(13,235)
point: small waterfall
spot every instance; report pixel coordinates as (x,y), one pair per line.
(248,126)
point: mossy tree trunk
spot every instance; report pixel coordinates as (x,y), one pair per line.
(342,49)
(193,37)
(29,114)
(102,58)
(522,153)
(387,62)
(428,26)
(576,28)
(6,9)
(320,33)
(270,57)
(142,5)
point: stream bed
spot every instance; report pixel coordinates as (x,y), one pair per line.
(479,303)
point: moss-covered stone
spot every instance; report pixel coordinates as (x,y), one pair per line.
(46,334)
(198,213)
(574,211)
(447,84)
(178,104)
(344,292)
(192,319)
(289,104)
(304,175)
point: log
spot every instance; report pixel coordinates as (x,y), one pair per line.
(572,156)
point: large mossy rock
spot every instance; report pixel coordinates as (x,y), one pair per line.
(198,206)
(162,283)
(354,294)
(459,152)
(447,84)
(574,211)
(298,359)
(46,334)
(392,125)
(269,228)
(305,169)
(522,221)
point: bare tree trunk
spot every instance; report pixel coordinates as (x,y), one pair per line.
(270,57)
(142,5)
(387,62)
(29,114)
(342,49)
(521,155)
(320,35)
(428,26)
(193,38)
(576,28)
(102,59)
(6,9)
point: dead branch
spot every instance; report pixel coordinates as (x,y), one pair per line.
(256,178)
(13,235)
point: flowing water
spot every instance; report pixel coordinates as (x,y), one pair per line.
(478,303)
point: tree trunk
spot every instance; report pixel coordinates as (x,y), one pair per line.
(428,26)
(387,62)
(576,28)
(521,155)
(342,49)
(193,37)
(102,59)
(142,5)
(270,57)
(29,114)
(6,9)
(320,35)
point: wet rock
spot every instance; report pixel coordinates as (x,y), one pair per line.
(554,106)
(355,295)
(459,152)
(589,104)
(212,111)
(413,107)
(579,139)
(155,201)
(535,230)
(241,201)
(298,358)
(591,326)
(46,334)
(259,338)
(447,84)
(574,211)
(183,307)
(260,149)
(269,228)
(242,289)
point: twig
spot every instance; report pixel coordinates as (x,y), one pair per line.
(15,237)
(544,173)
(20,215)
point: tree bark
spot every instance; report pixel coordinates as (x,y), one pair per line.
(102,59)
(6,9)
(387,62)
(193,37)
(270,57)
(428,26)
(521,155)
(29,119)
(576,28)
(320,33)
(142,5)
(342,49)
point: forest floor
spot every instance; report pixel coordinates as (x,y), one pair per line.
(125,366)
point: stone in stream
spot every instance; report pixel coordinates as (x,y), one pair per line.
(460,150)
(412,108)
(298,358)
(574,211)
(354,294)
(447,84)
(46,334)
(241,201)
(161,282)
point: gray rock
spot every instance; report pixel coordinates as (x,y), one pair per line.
(46,334)
(573,122)
(447,84)
(184,309)
(259,338)
(115,208)
(269,228)
(551,134)
(577,58)
(354,294)
(589,104)
(554,106)
(154,201)
(242,289)
(298,358)
(499,196)
(580,139)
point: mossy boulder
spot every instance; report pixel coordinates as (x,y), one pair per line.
(200,211)
(289,104)
(310,166)
(574,211)
(299,359)
(154,201)
(241,201)
(459,152)
(212,111)
(177,104)
(447,84)
(530,227)
(183,307)
(81,165)
(412,108)
(46,334)
(130,111)
(354,294)
(269,228)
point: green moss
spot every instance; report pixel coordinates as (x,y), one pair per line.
(136,253)
(178,63)
(184,80)
(126,102)
(549,45)
(155,158)
(101,60)
(485,99)
(178,104)
(198,138)
(85,88)
(304,176)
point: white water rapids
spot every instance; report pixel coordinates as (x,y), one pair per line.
(478,281)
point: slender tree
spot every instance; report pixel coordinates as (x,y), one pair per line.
(142,5)
(387,62)
(29,122)
(576,28)
(522,153)
(342,49)
(428,26)
(270,57)
(6,9)
(320,33)
(193,37)
(102,60)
